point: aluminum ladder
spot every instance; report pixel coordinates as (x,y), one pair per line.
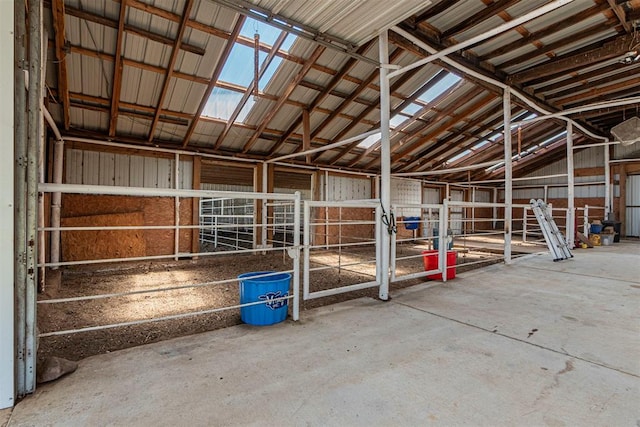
(555,239)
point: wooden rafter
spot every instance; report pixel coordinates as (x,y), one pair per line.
(616,91)
(544,32)
(172,62)
(214,77)
(117,70)
(397,84)
(435,10)
(135,64)
(283,97)
(586,84)
(112,23)
(337,78)
(250,89)
(576,78)
(408,101)
(357,92)
(60,50)
(448,111)
(559,44)
(479,17)
(456,139)
(620,15)
(573,61)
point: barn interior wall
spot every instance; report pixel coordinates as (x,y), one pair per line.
(92,166)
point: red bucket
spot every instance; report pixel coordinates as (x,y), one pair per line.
(430,259)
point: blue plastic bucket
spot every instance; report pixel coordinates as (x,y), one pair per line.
(268,289)
(596,228)
(411,222)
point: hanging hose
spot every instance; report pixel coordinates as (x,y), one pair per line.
(389,221)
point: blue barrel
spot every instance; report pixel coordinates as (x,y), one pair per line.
(267,289)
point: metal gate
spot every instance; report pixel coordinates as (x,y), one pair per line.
(633,206)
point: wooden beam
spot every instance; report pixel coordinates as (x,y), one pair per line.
(306,134)
(435,10)
(63,84)
(431,153)
(566,63)
(172,62)
(544,32)
(404,104)
(399,82)
(337,78)
(195,205)
(365,83)
(549,48)
(598,91)
(283,97)
(214,77)
(479,17)
(112,23)
(576,77)
(630,72)
(620,14)
(117,70)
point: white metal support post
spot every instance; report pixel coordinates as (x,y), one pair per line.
(296,256)
(570,229)
(607,182)
(385,159)
(508,175)
(7,325)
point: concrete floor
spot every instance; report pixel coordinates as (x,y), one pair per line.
(532,343)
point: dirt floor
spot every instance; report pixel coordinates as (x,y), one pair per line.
(80,281)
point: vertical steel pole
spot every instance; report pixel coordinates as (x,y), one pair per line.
(296,256)
(306,250)
(20,237)
(508,177)
(385,158)
(570,189)
(34,136)
(607,182)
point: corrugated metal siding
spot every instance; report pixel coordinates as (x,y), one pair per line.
(626,151)
(348,188)
(406,191)
(354,21)
(105,168)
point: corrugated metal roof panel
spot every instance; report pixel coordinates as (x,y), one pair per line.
(134,126)
(353,21)
(92,76)
(170,132)
(184,96)
(456,13)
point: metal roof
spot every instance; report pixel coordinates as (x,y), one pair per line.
(565,58)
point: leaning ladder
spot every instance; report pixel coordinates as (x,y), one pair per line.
(554,238)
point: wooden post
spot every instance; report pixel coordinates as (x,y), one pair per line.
(622,170)
(195,217)
(306,134)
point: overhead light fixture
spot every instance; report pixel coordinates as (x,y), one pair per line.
(630,57)
(627,132)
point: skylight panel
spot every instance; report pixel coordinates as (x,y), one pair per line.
(439,88)
(239,70)
(223,105)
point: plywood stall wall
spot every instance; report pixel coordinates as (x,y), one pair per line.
(108,168)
